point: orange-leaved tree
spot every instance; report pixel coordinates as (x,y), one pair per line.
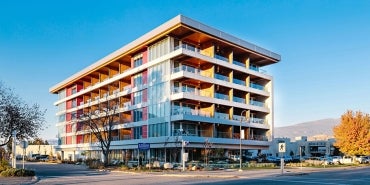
(352,135)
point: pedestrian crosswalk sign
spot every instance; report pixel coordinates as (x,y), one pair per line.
(281,147)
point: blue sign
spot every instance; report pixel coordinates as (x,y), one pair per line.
(143,146)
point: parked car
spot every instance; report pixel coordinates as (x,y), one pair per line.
(361,159)
(42,158)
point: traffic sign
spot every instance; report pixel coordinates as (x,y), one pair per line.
(23,144)
(281,147)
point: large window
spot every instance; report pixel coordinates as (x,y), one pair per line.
(138,80)
(138,60)
(138,97)
(159,49)
(138,132)
(138,115)
(157,130)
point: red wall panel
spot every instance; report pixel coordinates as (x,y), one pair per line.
(145,131)
(79,139)
(69,91)
(79,87)
(68,117)
(69,104)
(145,95)
(145,77)
(69,140)
(69,128)
(145,113)
(145,57)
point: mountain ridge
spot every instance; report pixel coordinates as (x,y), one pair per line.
(322,128)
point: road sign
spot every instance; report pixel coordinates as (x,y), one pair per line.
(143,146)
(281,147)
(23,144)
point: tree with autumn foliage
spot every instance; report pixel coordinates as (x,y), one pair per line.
(352,135)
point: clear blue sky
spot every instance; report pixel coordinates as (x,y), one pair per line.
(325,46)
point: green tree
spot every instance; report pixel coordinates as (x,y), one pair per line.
(16,115)
(352,135)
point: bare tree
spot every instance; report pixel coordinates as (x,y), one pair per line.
(16,115)
(100,121)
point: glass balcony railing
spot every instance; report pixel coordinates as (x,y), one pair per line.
(178,110)
(254,68)
(187,47)
(223,134)
(221,115)
(240,82)
(185,68)
(239,100)
(257,103)
(238,63)
(221,96)
(221,58)
(257,120)
(221,77)
(257,86)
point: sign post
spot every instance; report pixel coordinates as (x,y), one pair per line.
(24,145)
(282,149)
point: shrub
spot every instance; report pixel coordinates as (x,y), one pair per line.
(4,165)
(94,164)
(13,172)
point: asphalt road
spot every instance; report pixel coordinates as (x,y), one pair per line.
(78,174)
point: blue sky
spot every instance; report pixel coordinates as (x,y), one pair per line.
(325,46)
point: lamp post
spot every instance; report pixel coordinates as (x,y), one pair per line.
(240,141)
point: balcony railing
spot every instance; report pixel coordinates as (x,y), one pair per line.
(221,115)
(185,68)
(223,134)
(239,100)
(177,110)
(257,120)
(257,103)
(221,58)
(221,96)
(240,82)
(221,77)
(187,47)
(239,63)
(256,68)
(257,86)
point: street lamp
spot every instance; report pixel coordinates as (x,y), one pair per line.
(240,141)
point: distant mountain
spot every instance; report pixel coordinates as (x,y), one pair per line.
(320,129)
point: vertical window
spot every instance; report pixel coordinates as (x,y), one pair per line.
(138,80)
(138,115)
(74,103)
(74,90)
(138,97)
(138,132)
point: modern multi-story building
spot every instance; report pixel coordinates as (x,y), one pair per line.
(181,81)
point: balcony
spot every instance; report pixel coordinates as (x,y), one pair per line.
(187,47)
(220,115)
(256,68)
(257,120)
(239,100)
(238,63)
(239,82)
(257,103)
(257,86)
(223,134)
(221,58)
(177,110)
(222,96)
(222,77)
(186,68)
